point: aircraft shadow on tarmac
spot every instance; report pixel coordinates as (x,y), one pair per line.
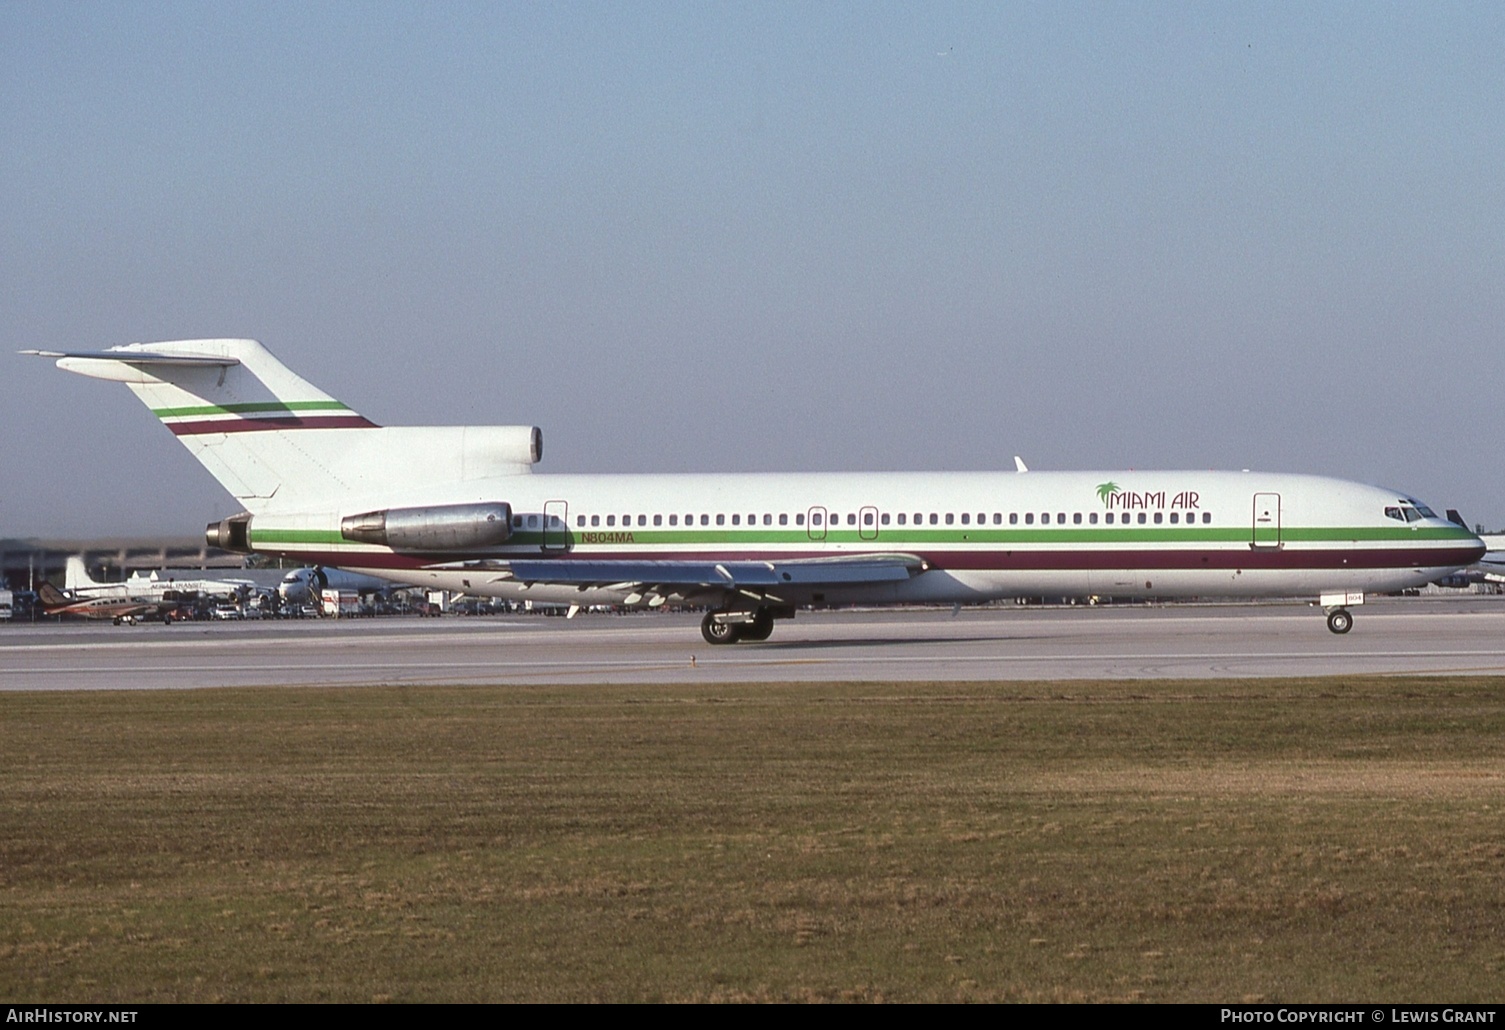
(886,642)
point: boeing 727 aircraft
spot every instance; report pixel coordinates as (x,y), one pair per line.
(459,508)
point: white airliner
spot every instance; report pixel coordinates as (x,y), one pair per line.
(303,586)
(459,508)
(152,588)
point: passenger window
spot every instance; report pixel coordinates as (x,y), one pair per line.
(720,519)
(783,518)
(1013,518)
(1092,518)
(611,520)
(901,518)
(1076,518)
(767,520)
(1206,517)
(1141,518)
(851,519)
(950,518)
(673,520)
(799,519)
(736,520)
(934,518)
(1060,518)
(705,520)
(1029,518)
(998,518)
(658,520)
(1159,518)
(580,520)
(642,520)
(884,519)
(532,521)
(1175,517)
(966,518)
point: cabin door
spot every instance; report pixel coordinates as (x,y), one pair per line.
(556,526)
(867,523)
(815,523)
(1266,529)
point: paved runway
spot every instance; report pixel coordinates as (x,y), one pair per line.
(1406,636)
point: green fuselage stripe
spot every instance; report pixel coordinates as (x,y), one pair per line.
(896,538)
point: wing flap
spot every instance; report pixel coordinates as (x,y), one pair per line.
(730,576)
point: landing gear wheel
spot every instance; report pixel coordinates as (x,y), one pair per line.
(761,628)
(1340,620)
(716,632)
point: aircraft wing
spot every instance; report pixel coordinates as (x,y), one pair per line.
(762,579)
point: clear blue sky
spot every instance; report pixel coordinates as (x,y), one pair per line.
(767,236)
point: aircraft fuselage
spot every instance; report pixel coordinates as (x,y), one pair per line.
(982,536)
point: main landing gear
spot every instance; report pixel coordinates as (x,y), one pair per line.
(728,627)
(1335,603)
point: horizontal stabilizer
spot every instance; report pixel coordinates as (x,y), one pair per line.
(136,358)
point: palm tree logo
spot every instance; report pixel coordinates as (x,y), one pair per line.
(1106,490)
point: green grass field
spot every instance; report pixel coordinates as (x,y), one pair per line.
(1325,839)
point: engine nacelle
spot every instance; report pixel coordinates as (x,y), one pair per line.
(442,527)
(232,534)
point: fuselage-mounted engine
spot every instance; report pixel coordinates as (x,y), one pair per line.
(440,527)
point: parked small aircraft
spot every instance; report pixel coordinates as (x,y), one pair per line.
(119,609)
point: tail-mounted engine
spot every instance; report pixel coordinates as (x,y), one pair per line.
(232,534)
(444,527)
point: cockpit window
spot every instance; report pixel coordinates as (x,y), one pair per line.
(1394,513)
(1426,513)
(1412,515)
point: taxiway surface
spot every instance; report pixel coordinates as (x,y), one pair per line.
(1406,636)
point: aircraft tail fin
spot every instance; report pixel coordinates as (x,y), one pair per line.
(277,442)
(50,597)
(76,574)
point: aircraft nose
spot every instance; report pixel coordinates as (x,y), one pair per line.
(1479,548)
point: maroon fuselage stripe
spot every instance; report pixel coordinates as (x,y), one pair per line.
(267,423)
